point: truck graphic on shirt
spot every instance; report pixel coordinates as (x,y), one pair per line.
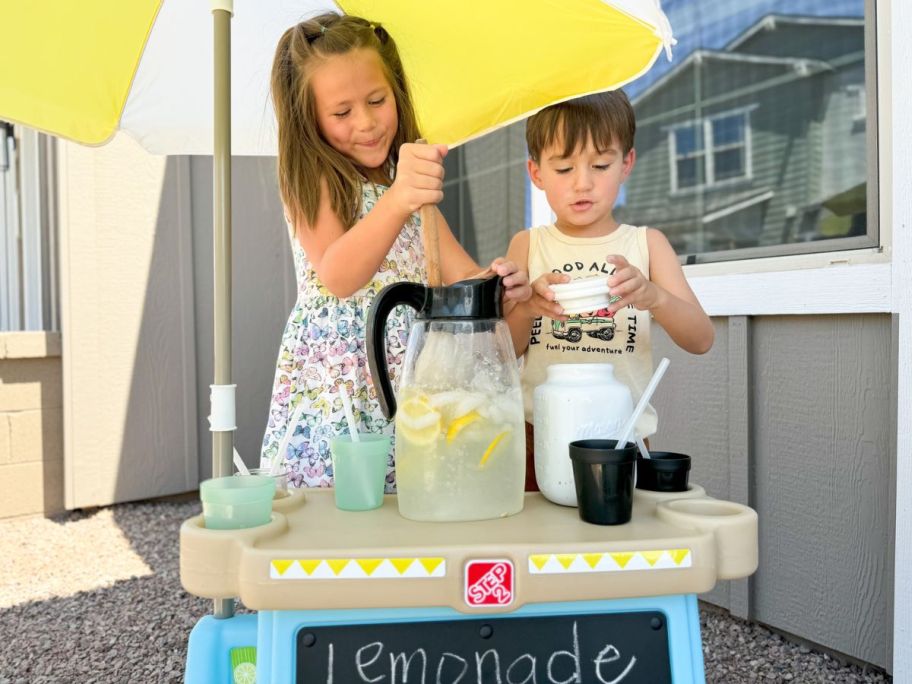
(597,324)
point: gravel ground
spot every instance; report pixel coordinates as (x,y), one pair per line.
(96,598)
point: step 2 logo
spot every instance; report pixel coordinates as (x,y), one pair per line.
(489,583)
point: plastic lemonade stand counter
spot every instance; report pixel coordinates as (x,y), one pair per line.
(540,596)
(502,587)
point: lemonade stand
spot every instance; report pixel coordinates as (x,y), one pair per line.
(540,596)
(462,577)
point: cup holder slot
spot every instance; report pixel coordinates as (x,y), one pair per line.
(707,507)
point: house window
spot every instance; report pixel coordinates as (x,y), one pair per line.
(724,158)
(485,192)
(760,138)
(28,254)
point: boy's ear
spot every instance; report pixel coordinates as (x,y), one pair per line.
(534,173)
(629,162)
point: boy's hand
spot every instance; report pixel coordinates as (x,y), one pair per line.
(633,288)
(543,301)
(515,281)
(419,176)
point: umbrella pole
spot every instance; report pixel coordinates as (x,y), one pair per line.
(222,441)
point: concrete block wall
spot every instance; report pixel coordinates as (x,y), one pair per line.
(31,424)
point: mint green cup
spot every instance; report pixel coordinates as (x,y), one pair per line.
(234,503)
(359,471)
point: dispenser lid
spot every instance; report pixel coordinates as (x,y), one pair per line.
(474,299)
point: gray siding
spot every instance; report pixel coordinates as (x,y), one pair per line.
(818,466)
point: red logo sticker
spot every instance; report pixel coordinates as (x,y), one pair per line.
(489,583)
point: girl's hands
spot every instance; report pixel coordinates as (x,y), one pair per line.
(629,283)
(419,177)
(515,281)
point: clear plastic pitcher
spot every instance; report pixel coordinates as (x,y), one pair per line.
(460,434)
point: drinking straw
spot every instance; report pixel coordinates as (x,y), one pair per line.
(349,414)
(279,458)
(642,445)
(239,464)
(641,405)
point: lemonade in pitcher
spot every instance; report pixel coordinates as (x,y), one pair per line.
(459,454)
(460,429)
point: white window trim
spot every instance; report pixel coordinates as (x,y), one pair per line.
(709,148)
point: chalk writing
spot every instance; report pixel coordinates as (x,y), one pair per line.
(604,649)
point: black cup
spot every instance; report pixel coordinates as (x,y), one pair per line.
(604,480)
(663,471)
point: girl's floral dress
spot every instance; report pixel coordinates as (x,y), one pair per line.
(323,346)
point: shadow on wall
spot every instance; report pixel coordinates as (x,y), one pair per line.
(166,446)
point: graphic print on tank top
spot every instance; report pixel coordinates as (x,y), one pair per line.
(588,332)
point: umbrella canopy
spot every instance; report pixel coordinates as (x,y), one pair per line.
(81,70)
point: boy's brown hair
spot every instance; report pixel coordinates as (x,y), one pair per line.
(603,118)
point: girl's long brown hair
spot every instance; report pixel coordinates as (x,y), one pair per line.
(305,157)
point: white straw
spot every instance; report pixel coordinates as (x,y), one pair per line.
(279,459)
(239,464)
(627,430)
(349,414)
(643,449)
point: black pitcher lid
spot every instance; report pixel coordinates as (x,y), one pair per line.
(468,299)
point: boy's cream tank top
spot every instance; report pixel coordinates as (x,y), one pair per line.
(623,340)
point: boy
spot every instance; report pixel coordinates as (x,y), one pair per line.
(580,152)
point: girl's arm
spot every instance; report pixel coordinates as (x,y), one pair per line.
(666,294)
(346,260)
(456,265)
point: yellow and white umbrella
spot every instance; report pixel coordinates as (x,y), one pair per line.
(84,69)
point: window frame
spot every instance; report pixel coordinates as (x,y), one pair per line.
(710,149)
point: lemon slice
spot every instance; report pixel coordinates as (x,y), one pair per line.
(492,446)
(457,425)
(418,422)
(245,673)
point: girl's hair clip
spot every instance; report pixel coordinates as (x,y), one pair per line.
(322,29)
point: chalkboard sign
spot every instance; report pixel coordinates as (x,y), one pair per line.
(563,649)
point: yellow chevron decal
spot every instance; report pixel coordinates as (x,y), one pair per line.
(309,565)
(566,559)
(347,568)
(539,560)
(402,564)
(651,556)
(430,564)
(369,564)
(631,561)
(281,566)
(592,559)
(678,555)
(337,565)
(622,558)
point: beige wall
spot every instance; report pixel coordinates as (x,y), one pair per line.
(31,424)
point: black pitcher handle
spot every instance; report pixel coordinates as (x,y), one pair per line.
(391,296)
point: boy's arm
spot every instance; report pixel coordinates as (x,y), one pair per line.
(676,309)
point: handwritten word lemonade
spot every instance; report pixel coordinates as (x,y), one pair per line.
(460,453)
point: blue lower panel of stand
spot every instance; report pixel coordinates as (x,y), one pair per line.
(209,649)
(276,635)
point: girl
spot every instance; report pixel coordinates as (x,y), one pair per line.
(351,181)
